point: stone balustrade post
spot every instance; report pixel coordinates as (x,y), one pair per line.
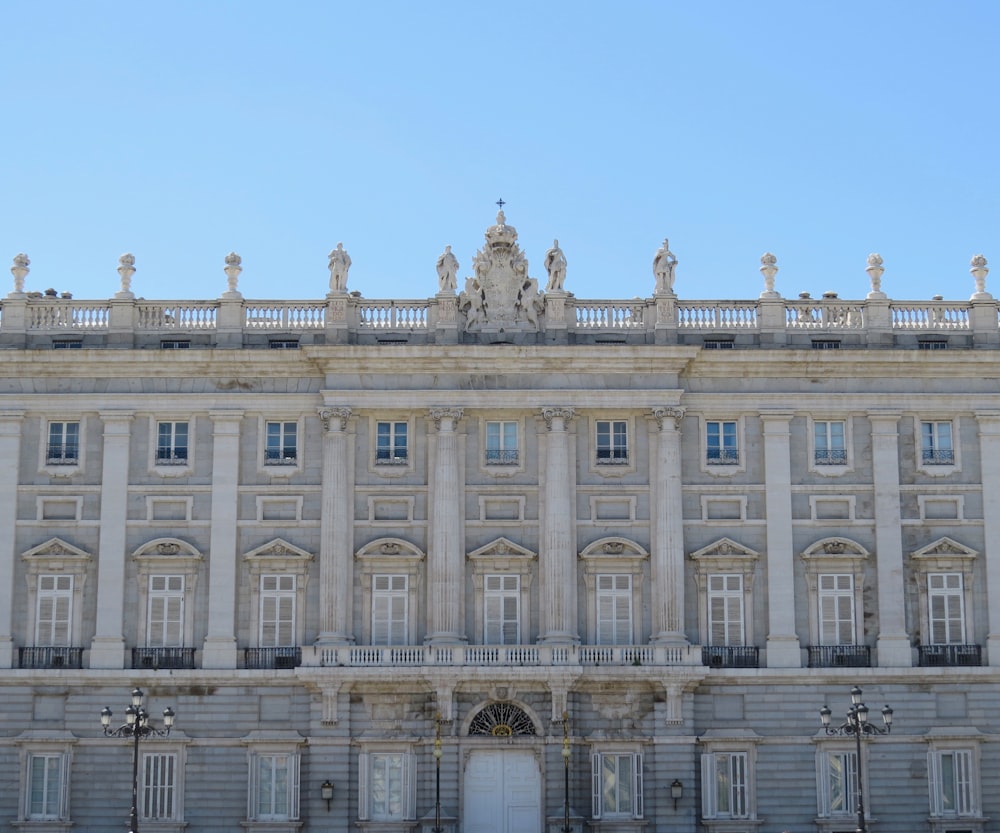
(559,310)
(771,321)
(665,325)
(982,321)
(444,307)
(878,321)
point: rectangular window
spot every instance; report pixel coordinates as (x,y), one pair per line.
(825,344)
(502,610)
(828,443)
(390,603)
(165,620)
(617,788)
(275,793)
(927,344)
(391,448)
(158,800)
(614,610)
(277,611)
(718,344)
(54,610)
(725,609)
(936,444)
(174,344)
(836,609)
(64,444)
(282,447)
(612,442)
(171,443)
(67,344)
(283,344)
(388,792)
(721,444)
(952,783)
(501,444)
(724,785)
(45,786)
(946,601)
(839,778)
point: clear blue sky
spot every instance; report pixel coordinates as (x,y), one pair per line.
(820,131)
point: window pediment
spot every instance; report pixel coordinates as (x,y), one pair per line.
(501,549)
(166,551)
(394,550)
(56,553)
(835,550)
(724,551)
(944,549)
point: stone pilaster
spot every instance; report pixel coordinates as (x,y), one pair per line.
(667,553)
(557,559)
(893,643)
(220,641)
(108,647)
(10,455)
(989,454)
(783,649)
(336,561)
(446,556)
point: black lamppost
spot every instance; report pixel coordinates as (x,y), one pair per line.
(857,724)
(136,726)
(437,773)
(566,753)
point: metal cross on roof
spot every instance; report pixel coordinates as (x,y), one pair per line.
(501,203)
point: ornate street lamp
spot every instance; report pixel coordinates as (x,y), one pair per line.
(437,773)
(136,726)
(566,753)
(857,725)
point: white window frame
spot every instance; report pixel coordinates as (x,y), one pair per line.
(285,465)
(944,556)
(66,468)
(836,599)
(390,556)
(165,610)
(939,447)
(501,609)
(174,467)
(614,556)
(374,759)
(615,624)
(837,762)
(612,442)
(947,587)
(277,757)
(278,558)
(722,466)
(720,767)
(167,557)
(727,588)
(154,790)
(57,557)
(53,796)
(964,782)
(835,556)
(390,591)
(830,466)
(509,460)
(42,745)
(392,464)
(502,557)
(55,596)
(725,556)
(604,780)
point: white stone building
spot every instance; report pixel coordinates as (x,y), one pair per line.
(655,534)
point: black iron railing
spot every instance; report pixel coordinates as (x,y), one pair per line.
(730,656)
(50,657)
(939,655)
(839,656)
(163,658)
(258,658)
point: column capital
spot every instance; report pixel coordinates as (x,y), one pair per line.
(668,418)
(565,414)
(451,415)
(884,422)
(335,419)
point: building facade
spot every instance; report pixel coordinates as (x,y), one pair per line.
(499,560)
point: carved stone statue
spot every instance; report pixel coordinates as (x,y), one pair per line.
(340,264)
(447,269)
(664,264)
(126,269)
(555,265)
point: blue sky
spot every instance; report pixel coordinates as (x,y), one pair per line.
(819,131)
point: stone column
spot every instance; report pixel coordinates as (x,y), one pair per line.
(108,647)
(989,454)
(893,643)
(557,558)
(446,556)
(783,650)
(10,456)
(220,641)
(667,563)
(336,555)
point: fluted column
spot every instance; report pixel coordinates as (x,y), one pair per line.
(557,558)
(10,456)
(108,647)
(446,558)
(989,454)
(667,564)
(220,641)
(783,650)
(893,641)
(336,561)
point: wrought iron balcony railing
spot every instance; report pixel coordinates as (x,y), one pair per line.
(953,655)
(938,456)
(155,658)
(723,457)
(831,457)
(730,656)
(62,454)
(50,657)
(278,658)
(839,656)
(501,456)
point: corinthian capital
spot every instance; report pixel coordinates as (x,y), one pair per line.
(437,414)
(668,417)
(565,414)
(335,418)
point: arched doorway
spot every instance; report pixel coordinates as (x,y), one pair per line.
(503,785)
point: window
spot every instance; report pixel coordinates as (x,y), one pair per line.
(931,344)
(56,572)
(385,785)
(174,344)
(54,611)
(68,344)
(614,610)
(836,609)
(158,800)
(501,443)
(281,444)
(277,611)
(718,344)
(946,608)
(721,443)
(283,344)
(502,610)
(612,442)
(274,789)
(390,615)
(391,447)
(829,448)
(951,773)
(617,787)
(838,778)
(165,612)
(171,443)
(63,444)
(825,344)
(46,788)
(725,609)
(936,444)
(724,789)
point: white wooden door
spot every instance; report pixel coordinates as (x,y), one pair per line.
(502,793)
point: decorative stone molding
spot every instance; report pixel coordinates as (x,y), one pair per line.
(671,416)
(334,417)
(565,414)
(438,414)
